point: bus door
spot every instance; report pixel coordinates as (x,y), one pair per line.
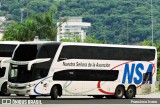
(42,73)
(146,87)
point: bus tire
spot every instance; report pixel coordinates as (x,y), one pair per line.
(98,96)
(32,96)
(4,90)
(54,92)
(119,92)
(130,92)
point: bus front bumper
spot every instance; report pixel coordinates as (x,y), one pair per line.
(23,91)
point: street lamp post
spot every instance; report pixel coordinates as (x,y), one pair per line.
(27,7)
(127,32)
(152,22)
(22,15)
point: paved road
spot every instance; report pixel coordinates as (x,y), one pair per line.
(83,101)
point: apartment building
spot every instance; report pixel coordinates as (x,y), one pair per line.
(73,28)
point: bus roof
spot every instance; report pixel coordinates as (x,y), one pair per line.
(38,42)
(108,45)
(89,44)
(10,42)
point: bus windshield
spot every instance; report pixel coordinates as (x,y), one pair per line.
(25,52)
(28,52)
(20,74)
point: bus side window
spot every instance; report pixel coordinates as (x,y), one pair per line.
(147,77)
(2,71)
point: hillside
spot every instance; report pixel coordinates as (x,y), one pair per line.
(114,20)
(117,21)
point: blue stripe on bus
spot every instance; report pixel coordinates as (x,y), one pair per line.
(38,84)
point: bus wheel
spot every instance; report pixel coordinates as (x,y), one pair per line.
(4,90)
(98,96)
(130,93)
(32,96)
(119,92)
(54,92)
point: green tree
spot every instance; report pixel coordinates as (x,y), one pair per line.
(91,39)
(39,6)
(113,20)
(146,43)
(41,25)
(46,26)
(75,38)
(88,39)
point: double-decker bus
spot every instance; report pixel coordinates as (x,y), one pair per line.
(6,50)
(98,70)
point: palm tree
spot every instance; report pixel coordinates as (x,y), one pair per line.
(45,26)
(41,25)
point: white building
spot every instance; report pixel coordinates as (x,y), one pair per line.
(73,28)
(2,20)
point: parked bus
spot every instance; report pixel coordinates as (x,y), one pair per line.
(98,70)
(6,50)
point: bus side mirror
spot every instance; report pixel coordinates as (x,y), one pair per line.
(37,61)
(4,61)
(147,77)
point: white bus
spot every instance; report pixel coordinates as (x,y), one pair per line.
(6,50)
(98,70)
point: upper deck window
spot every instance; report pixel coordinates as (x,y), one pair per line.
(25,52)
(48,50)
(6,50)
(106,53)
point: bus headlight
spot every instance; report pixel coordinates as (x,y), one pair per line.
(27,86)
(30,85)
(9,86)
